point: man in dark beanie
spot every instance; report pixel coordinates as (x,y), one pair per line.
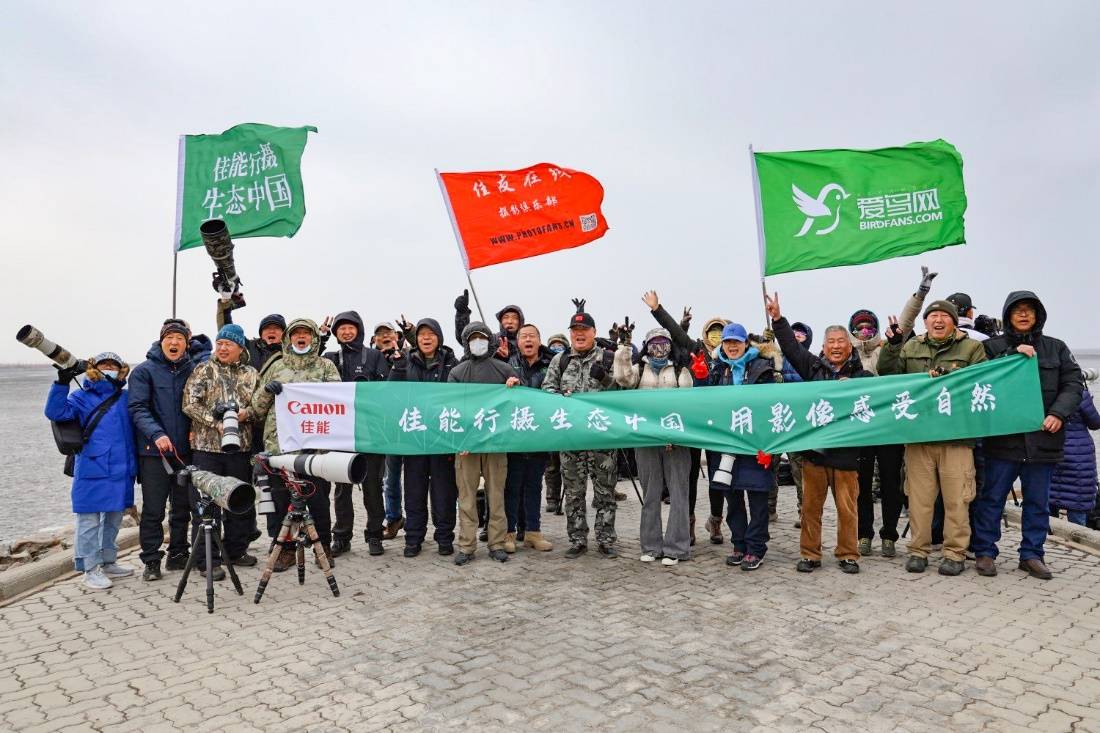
(162,429)
(943,467)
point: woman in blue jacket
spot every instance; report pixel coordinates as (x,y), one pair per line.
(1073,486)
(103,482)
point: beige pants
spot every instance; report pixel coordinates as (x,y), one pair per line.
(939,468)
(469,470)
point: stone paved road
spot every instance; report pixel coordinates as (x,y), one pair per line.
(547,644)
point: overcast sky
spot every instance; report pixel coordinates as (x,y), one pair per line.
(657,100)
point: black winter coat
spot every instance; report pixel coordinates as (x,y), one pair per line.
(1059,378)
(355,361)
(532,374)
(813,368)
(156,398)
(413,367)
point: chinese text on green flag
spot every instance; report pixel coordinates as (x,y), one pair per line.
(826,208)
(994,398)
(250,176)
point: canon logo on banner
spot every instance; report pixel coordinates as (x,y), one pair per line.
(316,408)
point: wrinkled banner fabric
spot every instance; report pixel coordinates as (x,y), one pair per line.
(409,418)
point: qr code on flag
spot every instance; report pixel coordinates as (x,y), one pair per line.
(588,222)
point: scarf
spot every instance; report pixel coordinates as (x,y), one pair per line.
(737,366)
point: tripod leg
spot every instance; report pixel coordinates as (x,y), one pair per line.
(228,564)
(206,526)
(322,558)
(301,557)
(905,532)
(276,549)
(187,568)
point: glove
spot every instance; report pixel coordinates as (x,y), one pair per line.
(926,280)
(894,335)
(221,408)
(274,387)
(685,320)
(462,303)
(699,366)
(626,331)
(597,372)
(394,355)
(68,374)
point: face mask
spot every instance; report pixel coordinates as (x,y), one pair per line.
(867,332)
(659,349)
(479,347)
(714,338)
(109,373)
(296,350)
(557,348)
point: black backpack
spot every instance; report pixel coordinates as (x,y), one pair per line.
(71,437)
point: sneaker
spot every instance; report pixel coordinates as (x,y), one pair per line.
(340,546)
(865,547)
(463,558)
(648,558)
(219,572)
(575,551)
(848,566)
(95,579)
(714,529)
(151,572)
(670,561)
(916,564)
(735,559)
(177,562)
(444,550)
(951,567)
(374,547)
(751,562)
(807,566)
(608,551)
(498,555)
(244,561)
(889,549)
(391,529)
(114,570)
(412,550)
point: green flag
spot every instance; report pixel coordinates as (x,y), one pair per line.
(827,208)
(997,397)
(250,176)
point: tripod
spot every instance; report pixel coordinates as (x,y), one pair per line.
(211,530)
(298,528)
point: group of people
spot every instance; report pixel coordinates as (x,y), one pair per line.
(171,416)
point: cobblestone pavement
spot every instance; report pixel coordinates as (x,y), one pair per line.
(549,644)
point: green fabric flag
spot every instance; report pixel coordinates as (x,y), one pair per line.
(250,176)
(402,418)
(827,208)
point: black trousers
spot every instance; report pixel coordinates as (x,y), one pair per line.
(344,503)
(889,473)
(317,502)
(237,529)
(159,489)
(693,478)
(430,477)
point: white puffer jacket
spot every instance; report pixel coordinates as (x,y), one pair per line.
(640,376)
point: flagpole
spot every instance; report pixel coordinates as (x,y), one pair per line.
(458,240)
(761,247)
(179,217)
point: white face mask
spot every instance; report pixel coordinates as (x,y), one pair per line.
(304,350)
(479,347)
(110,373)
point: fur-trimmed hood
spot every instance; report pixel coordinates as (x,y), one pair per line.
(90,372)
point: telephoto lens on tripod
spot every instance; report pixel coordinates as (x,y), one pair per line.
(215,237)
(262,483)
(231,429)
(724,473)
(341,468)
(35,339)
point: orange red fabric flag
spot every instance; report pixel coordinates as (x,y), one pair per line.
(509,215)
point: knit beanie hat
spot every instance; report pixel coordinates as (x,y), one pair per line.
(175,325)
(945,306)
(232,332)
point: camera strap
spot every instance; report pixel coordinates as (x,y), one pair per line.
(100,411)
(167,464)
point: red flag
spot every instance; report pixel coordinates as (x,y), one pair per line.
(509,215)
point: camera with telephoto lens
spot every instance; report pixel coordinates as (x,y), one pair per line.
(988,325)
(724,473)
(231,429)
(31,337)
(219,245)
(231,494)
(262,481)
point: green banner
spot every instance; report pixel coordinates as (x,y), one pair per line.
(827,208)
(250,176)
(993,398)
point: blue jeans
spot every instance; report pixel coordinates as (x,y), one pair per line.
(748,529)
(392,493)
(1073,516)
(95,539)
(1035,522)
(523,491)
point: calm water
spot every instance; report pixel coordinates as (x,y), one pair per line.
(34,494)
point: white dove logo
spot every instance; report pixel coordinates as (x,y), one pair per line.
(816,207)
